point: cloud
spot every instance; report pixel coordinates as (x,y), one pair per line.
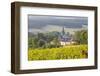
(43,24)
(50,28)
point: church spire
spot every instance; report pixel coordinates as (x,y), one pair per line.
(63,31)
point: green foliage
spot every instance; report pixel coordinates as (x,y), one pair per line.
(32,42)
(67,52)
(55,42)
(41,43)
(44,40)
(81,37)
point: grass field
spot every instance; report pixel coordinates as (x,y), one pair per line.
(66,52)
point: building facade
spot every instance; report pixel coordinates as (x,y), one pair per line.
(65,38)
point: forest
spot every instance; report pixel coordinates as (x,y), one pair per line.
(51,39)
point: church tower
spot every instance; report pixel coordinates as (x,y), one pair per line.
(63,31)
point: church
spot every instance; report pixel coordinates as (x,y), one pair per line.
(65,38)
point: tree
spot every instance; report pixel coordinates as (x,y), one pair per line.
(81,37)
(56,42)
(32,42)
(41,43)
(84,37)
(41,36)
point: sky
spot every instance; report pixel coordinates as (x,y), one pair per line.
(40,23)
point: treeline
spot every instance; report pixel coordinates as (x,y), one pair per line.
(51,39)
(44,40)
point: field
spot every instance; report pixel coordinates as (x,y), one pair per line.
(66,52)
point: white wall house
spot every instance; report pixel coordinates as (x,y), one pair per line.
(65,39)
(65,43)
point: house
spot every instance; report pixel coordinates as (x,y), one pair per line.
(65,39)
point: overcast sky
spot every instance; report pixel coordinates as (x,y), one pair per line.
(38,22)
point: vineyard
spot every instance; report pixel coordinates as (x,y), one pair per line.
(66,52)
